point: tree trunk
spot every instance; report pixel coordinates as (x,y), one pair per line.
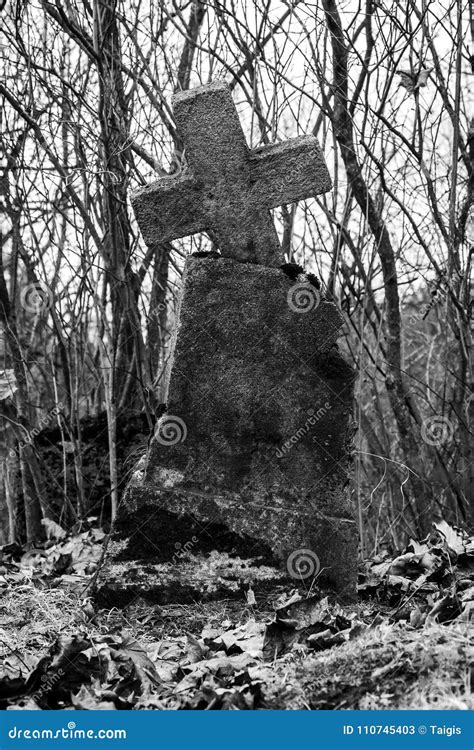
(33,497)
(114,125)
(408,432)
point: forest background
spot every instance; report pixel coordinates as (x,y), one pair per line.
(86,309)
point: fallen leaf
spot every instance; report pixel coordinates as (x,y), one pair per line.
(247,638)
(87,700)
(454,538)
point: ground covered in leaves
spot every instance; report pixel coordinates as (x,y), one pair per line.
(407,643)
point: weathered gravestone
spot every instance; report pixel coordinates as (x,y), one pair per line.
(252,455)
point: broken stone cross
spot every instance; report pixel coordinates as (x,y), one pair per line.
(251,458)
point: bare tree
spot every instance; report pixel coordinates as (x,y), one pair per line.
(87,118)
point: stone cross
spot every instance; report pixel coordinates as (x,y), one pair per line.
(228,188)
(251,456)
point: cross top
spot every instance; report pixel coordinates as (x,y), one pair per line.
(227,187)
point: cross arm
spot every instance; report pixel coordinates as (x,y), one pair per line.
(169,208)
(288,172)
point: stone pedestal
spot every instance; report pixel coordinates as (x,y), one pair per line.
(253,453)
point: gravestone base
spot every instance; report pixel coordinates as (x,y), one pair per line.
(253,455)
(165,557)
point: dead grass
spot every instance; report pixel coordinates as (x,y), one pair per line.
(388,666)
(31,619)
